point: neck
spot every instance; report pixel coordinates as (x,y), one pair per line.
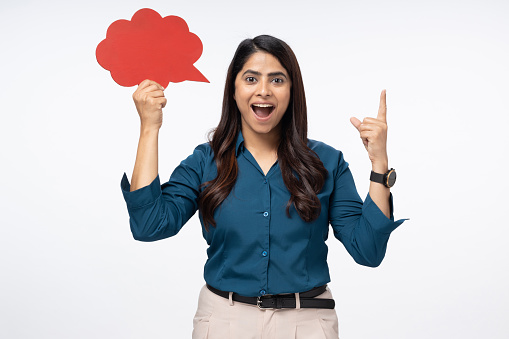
(262,144)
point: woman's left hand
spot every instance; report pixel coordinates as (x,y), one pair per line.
(373,133)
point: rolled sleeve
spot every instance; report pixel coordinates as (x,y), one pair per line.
(142,196)
(159,211)
(377,219)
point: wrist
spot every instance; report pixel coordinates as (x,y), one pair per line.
(149,130)
(380,167)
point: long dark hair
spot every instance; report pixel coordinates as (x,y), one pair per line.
(303,172)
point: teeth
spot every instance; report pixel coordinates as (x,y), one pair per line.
(262,105)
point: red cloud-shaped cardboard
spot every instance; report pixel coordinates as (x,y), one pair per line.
(150,47)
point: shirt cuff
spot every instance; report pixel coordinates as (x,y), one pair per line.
(377,219)
(142,196)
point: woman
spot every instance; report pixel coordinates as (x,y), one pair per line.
(266,196)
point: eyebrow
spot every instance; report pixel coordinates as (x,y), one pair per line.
(270,74)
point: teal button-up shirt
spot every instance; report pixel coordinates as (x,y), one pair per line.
(255,249)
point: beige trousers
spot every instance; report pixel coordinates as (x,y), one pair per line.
(219,318)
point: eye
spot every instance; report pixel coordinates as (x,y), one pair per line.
(250,79)
(278,80)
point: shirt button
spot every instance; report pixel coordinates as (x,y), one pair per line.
(265,214)
(262,292)
(264,253)
(265,181)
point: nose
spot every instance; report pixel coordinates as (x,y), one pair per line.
(263,89)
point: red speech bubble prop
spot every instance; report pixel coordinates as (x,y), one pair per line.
(150,47)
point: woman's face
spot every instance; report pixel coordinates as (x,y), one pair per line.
(262,94)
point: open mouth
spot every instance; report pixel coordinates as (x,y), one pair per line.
(262,110)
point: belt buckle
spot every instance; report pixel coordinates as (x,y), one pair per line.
(275,305)
(259,303)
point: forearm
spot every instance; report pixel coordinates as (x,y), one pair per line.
(146,165)
(373,133)
(378,192)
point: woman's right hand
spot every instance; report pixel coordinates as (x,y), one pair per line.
(149,100)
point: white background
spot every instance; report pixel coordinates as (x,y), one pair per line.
(69,267)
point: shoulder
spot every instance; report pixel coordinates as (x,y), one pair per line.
(331,157)
(323,150)
(196,165)
(204,150)
(320,145)
(200,157)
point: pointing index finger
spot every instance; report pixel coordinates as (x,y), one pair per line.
(382,109)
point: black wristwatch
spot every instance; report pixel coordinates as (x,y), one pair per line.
(387,179)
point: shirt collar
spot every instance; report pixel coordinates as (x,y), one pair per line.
(239,146)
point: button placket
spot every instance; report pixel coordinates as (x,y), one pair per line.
(266,243)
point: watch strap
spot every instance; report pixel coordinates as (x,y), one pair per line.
(377,177)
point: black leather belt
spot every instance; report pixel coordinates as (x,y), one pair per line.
(307,299)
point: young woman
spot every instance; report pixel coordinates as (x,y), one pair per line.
(266,195)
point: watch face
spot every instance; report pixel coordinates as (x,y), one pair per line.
(391,179)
